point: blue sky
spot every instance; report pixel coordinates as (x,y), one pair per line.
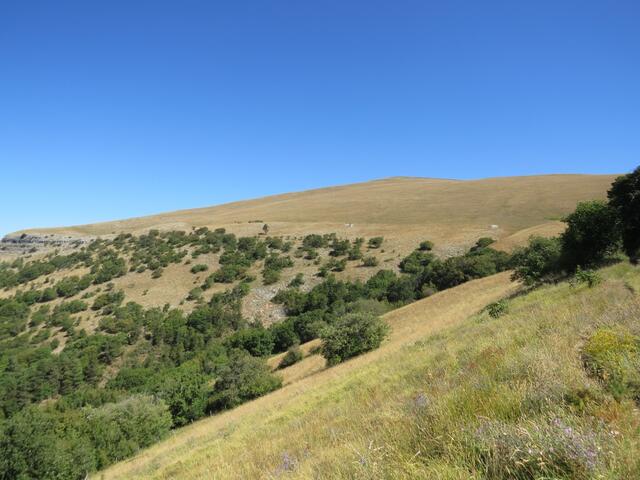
(117,109)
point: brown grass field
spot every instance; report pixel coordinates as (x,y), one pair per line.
(446,211)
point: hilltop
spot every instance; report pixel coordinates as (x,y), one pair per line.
(437,207)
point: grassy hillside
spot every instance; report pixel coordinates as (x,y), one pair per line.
(453,394)
(139,333)
(451,213)
(450,210)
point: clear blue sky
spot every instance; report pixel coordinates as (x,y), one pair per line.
(122,108)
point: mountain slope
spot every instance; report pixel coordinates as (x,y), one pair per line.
(444,206)
(445,402)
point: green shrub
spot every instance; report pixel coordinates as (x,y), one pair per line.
(375,242)
(497,309)
(195,294)
(590,277)
(200,267)
(613,356)
(228,273)
(537,261)
(244,378)
(339,248)
(370,261)
(352,335)
(415,261)
(119,430)
(425,246)
(257,341)
(336,265)
(297,281)
(269,277)
(293,355)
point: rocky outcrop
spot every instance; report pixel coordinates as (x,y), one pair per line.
(20,243)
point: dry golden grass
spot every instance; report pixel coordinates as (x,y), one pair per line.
(408,324)
(409,410)
(548,229)
(442,210)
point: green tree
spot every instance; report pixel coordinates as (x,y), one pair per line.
(624,197)
(540,259)
(244,378)
(352,335)
(592,233)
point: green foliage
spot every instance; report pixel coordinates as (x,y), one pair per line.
(293,355)
(119,430)
(352,335)
(297,281)
(195,294)
(109,266)
(314,241)
(185,390)
(229,273)
(272,267)
(497,309)
(592,234)
(537,261)
(339,248)
(45,445)
(108,301)
(590,277)
(336,265)
(200,267)
(613,357)
(243,379)
(284,335)
(375,242)
(415,262)
(370,261)
(425,246)
(624,197)
(257,341)
(66,444)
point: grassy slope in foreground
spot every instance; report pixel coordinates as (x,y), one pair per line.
(435,405)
